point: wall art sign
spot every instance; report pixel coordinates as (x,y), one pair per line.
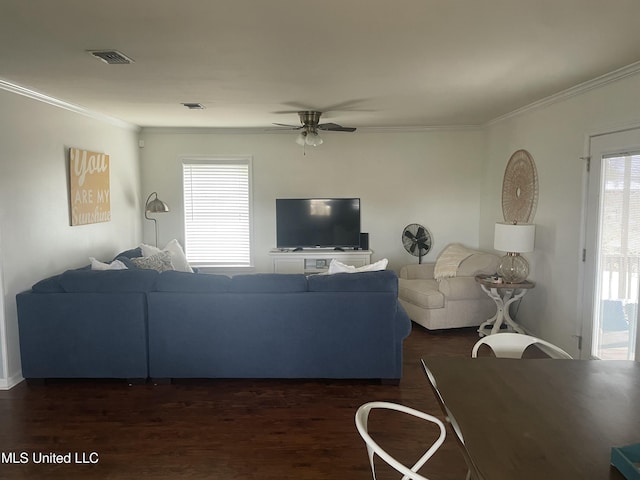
(90,193)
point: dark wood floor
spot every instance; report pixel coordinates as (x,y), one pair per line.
(223,429)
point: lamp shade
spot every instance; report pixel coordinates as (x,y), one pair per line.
(156,205)
(518,238)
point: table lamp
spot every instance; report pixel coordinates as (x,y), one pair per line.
(514,238)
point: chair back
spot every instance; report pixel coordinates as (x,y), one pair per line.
(513,345)
(373,448)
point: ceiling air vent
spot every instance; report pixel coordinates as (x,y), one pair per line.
(194,106)
(112,57)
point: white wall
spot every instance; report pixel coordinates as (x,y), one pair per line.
(429,177)
(36,239)
(555,136)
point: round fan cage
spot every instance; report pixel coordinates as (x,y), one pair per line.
(416,240)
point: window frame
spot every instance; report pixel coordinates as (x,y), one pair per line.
(213,160)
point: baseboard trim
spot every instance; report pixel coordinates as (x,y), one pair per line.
(11,382)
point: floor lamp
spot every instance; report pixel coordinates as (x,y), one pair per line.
(155,206)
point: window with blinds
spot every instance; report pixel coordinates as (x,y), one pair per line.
(217,211)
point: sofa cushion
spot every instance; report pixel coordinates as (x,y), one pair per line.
(128,262)
(133,253)
(48,285)
(380,281)
(174,281)
(462,288)
(108,281)
(423,293)
(268,283)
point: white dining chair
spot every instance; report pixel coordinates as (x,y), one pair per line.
(373,448)
(513,345)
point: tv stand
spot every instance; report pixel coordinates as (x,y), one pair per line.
(300,249)
(315,260)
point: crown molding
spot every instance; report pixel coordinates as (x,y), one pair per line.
(418,128)
(41,97)
(581,88)
(213,130)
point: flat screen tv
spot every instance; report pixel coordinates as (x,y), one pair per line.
(318,222)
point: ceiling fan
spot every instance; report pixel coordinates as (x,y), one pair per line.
(310,120)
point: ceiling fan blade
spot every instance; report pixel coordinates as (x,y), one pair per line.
(334,127)
(284,127)
(345,106)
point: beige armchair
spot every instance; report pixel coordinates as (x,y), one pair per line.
(450,302)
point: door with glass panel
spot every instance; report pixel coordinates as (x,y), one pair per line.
(612,253)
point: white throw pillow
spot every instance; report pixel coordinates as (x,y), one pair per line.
(339,267)
(374,267)
(178,258)
(149,250)
(98,265)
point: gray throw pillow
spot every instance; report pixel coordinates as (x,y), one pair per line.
(160,262)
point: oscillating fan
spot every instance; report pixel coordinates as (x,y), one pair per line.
(416,240)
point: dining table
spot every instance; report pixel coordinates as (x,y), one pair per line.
(538,418)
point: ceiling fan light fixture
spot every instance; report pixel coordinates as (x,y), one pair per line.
(313,139)
(300,139)
(309,129)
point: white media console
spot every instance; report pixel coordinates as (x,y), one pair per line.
(315,260)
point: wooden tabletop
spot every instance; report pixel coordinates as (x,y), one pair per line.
(541,418)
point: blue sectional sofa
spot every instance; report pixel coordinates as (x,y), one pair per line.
(86,324)
(144,324)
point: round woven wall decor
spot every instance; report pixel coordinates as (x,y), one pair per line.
(520,189)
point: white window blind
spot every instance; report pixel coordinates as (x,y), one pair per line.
(217,212)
